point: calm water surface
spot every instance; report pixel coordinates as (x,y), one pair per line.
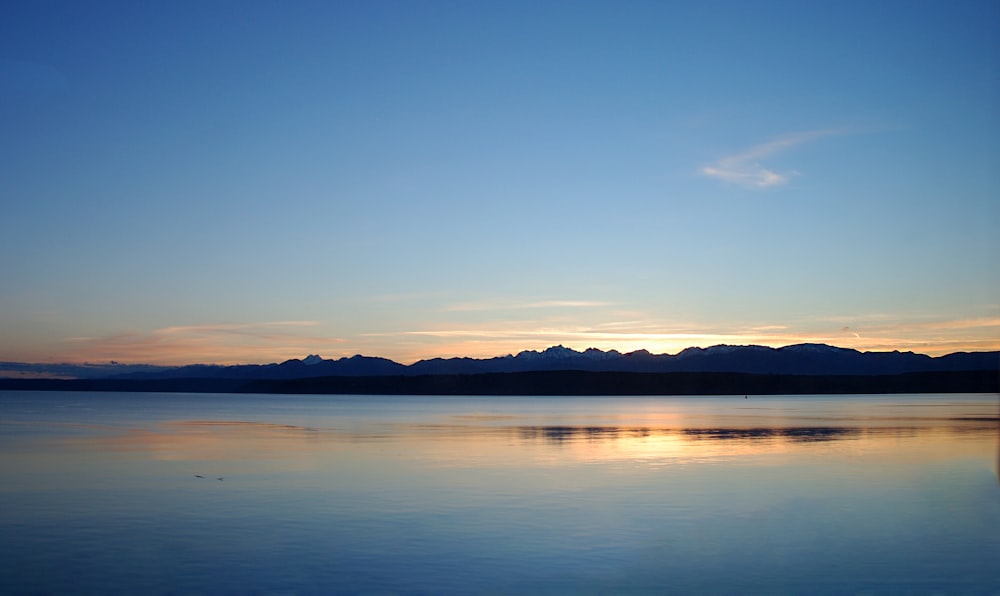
(182,493)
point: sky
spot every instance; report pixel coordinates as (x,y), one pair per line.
(248,181)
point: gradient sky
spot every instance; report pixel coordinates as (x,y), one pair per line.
(254,181)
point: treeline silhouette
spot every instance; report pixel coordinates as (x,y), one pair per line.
(549,383)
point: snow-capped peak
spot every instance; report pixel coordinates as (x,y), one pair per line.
(559,351)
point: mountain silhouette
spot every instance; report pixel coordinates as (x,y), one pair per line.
(721,369)
(800,359)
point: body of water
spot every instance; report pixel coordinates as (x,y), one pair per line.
(202,493)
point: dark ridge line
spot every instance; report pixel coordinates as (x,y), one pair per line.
(548,383)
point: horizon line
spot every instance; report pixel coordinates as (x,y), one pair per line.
(114,362)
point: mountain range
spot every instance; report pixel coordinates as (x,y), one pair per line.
(800,359)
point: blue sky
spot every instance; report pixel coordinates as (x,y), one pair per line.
(254,181)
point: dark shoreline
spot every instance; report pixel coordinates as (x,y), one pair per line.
(547,383)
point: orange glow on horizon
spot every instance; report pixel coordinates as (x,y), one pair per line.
(408,354)
(276,342)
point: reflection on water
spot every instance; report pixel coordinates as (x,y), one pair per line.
(502,495)
(559,434)
(791,434)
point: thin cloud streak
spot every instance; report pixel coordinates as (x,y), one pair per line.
(744,168)
(223,343)
(240,328)
(929,335)
(540,304)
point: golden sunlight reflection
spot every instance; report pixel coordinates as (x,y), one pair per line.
(502,441)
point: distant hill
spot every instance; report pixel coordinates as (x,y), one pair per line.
(104,370)
(310,367)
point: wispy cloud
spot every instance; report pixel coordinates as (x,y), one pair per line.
(745,169)
(224,343)
(923,333)
(235,328)
(514,336)
(511,305)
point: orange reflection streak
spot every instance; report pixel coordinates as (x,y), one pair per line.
(694,445)
(491,441)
